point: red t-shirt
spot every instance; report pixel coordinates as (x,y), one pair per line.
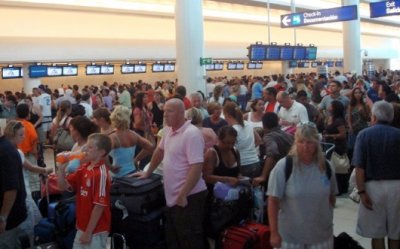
(187,103)
(270,107)
(92,188)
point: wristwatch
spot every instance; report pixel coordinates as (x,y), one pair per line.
(3,218)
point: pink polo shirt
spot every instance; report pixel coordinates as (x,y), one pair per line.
(182,148)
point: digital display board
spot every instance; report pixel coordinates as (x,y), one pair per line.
(257,52)
(92,70)
(53,71)
(299,53)
(231,66)
(286,53)
(11,72)
(311,53)
(140,68)
(292,64)
(259,65)
(70,70)
(209,67)
(272,53)
(338,63)
(127,68)
(218,66)
(251,65)
(157,67)
(239,65)
(37,71)
(107,69)
(169,67)
(329,63)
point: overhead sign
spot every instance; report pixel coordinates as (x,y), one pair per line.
(386,8)
(345,13)
(205,61)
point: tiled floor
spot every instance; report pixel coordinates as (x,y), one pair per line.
(345,213)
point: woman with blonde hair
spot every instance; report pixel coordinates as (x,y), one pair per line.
(196,117)
(124,142)
(301,195)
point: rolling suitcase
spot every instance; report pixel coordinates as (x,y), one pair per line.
(249,235)
(137,196)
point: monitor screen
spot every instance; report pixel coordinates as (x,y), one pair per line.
(231,66)
(292,64)
(169,67)
(257,52)
(140,68)
(36,71)
(92,70)
(210,67)
(251,65)
(306,64)
(218,66)
(157,67)
(311,53)
(329,63)
(259,65)
(54,71)
(299,53)
(107,69)
(11,72)
(127,68)
(70,70)
(314,64)
(286,53)
(338,63)
(273,53)
(239,65)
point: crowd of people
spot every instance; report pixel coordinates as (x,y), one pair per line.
(241,128)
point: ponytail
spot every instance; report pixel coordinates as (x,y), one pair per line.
(234,111)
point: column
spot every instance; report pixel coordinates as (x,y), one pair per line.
(285,68)
(29,83)
(190,44)
(352,42)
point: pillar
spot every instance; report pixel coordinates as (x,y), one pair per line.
(190,44)
(29,83)
(352,42)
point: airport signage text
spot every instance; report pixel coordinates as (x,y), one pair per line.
(386,8)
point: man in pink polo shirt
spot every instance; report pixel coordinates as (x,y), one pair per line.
(181,150)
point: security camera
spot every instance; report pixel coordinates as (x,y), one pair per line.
(365,53)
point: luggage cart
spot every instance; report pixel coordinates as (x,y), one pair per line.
(327,148)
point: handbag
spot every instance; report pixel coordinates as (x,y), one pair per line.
(62,139)
(340,162)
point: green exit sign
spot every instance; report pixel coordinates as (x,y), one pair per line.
(205,61)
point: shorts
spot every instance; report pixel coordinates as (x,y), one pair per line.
(383,220)
(99,240)
(327,244)
(251,170)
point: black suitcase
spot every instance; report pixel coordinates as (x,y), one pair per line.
(140,231)
(137,196)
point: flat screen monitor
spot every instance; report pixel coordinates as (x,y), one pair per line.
(314,64)
(127,68)
(240,66)
(231,66)
(53,71)
(251,65)
(299,53)
(169,67)
(286,53)
(338,63)
(218,66)
(11,72)
(37,71)
(259,65)
(311,53)
(107,69)
(292,64)
(140,68)
(329,63)
(70,70)
(92,70)
(257,52)
(210,67)
(273,53)
(157,67)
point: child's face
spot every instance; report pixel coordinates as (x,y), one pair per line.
(92,152)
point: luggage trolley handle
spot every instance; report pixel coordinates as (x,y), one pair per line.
(327,147)
(114,235)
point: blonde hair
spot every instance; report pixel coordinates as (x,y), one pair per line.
(121,117)
(11,129)
(195,116)
(310,133)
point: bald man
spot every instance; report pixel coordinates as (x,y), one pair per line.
(181,150)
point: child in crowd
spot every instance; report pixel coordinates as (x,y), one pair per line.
(91,182)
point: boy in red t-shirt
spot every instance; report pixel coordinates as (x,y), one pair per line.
(91,182)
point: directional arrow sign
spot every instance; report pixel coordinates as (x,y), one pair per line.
(386,8)
(345,13)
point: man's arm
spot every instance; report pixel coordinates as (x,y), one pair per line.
(156,159)
(360,180)
(94,219)
(193,177)
(8,202)
(273,210)
(268,166)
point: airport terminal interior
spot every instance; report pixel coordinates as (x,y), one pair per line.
(86,42)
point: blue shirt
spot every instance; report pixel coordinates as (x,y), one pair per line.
(373,95)
(256,91)
(377,151)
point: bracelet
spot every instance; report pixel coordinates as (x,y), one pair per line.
(361,192)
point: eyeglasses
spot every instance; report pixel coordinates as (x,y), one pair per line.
(308,124)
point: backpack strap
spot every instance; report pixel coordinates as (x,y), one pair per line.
(288,167)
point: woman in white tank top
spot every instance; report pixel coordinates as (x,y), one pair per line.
(254,117)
